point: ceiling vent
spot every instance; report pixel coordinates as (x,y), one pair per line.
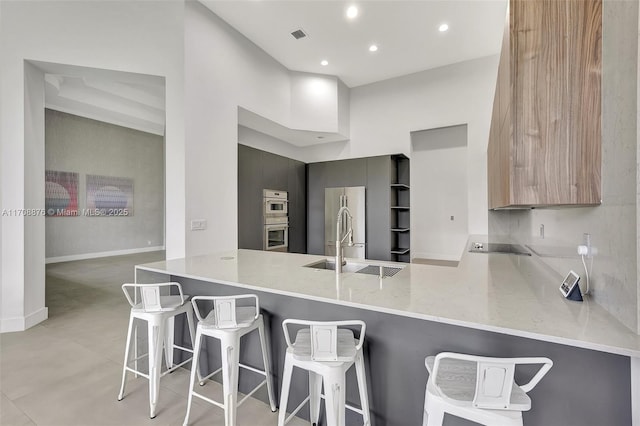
(298,34)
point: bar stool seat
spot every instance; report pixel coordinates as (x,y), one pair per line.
(158,311)
(228,323)
(480,389)
(326,350)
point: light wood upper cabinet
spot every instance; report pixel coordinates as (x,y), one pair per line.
(545,138)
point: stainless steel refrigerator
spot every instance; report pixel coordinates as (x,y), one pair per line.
(354,198)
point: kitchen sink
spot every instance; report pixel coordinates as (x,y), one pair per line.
(358,268)
(331,265)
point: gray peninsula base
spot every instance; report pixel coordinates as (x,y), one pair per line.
(583,388)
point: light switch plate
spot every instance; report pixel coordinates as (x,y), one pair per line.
(198,224)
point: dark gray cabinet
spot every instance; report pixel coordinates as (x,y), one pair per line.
(371,172)
(297,187)
(250,223)
(258,170)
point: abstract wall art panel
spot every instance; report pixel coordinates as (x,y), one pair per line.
(61,193)
(109,196)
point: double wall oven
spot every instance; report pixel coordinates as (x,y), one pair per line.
(276,220)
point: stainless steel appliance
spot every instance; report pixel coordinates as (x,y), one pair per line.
(275,203)
(275,235)
(352,197)
(476,247)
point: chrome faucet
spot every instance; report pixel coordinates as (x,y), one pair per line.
(339,240)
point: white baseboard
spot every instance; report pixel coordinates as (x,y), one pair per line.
(85,256)
(8,325)
(434,256)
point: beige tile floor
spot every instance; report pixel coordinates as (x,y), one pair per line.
(66,371)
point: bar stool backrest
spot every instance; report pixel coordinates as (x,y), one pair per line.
(324,336)
(493,385)
(494,377)
(151,295)
(225,309)
(225,312)
(324,342)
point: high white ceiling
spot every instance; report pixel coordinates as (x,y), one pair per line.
(406,33)
(123,98)
(111,97)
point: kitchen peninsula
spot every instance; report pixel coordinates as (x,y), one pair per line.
(491,304)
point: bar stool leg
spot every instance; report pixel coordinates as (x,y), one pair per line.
(315,390)
(266,348)
(284,392)
(230,346)
(156,337)
(194,368)
(434,418)
(169,341)
(126,358)
(362,387)
(192,334)
(335,398)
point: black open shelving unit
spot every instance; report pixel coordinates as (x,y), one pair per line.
(400,209)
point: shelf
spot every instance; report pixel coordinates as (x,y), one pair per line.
(399,250)
(399,186)
(400,201)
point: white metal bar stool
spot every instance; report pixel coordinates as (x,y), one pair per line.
(327,350)
(480,389)
(158,308)
(228,323)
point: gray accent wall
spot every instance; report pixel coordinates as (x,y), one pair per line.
(374,173)
(613,225)
(85,146)
(258,170)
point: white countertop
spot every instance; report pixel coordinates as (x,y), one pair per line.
(510,294)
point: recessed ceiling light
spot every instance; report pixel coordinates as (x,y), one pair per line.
(373,48)
(324,63)
(443,27)
(352,12)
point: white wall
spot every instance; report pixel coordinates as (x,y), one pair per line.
(439,184)
(223,70)
(383,114)
(140,37)
(264,142)
(314,102)
(34,247)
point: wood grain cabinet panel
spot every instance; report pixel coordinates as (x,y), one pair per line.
(545,138)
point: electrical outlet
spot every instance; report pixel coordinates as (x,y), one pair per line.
(198,224)
(587,243)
